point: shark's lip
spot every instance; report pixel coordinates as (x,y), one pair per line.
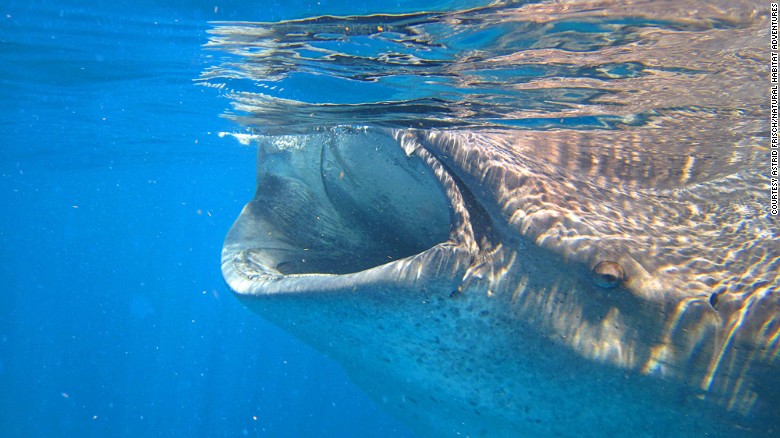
(254,270)
(450,262)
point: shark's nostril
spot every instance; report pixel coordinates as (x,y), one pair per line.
(608,274)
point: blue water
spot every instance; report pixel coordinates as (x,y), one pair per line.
(116,194)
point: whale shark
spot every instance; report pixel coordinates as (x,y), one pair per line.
(611,269)
(473,291)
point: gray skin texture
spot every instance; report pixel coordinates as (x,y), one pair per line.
(453,275)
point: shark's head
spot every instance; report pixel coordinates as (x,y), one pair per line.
(468,276)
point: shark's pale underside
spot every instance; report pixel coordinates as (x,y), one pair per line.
(549,220)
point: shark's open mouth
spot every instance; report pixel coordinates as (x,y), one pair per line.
(338,203)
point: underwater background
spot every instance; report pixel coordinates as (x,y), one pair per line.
(117,192)
(119,178)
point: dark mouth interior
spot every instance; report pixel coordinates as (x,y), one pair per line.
(343,203)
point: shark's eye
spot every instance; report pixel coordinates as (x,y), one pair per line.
(608,275)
